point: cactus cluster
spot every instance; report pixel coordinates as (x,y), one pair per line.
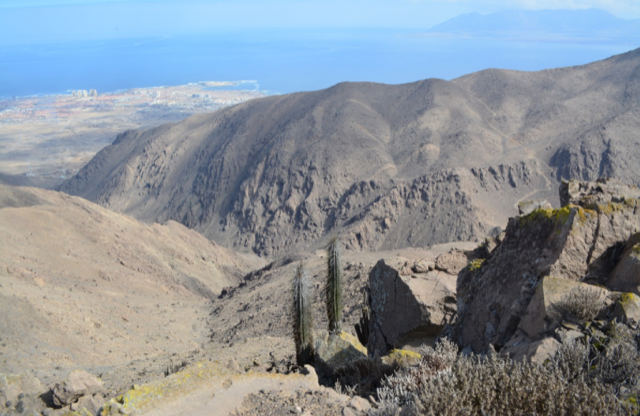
(301,306)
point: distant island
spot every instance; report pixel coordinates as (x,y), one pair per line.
(590,25)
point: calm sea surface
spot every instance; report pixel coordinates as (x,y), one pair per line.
(280,62)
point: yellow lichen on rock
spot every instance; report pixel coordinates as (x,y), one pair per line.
(402,358)
(627,297)
(338,350)
(144,396)
(353,341)
(475,264)
(560,216)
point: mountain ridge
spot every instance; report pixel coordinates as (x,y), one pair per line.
(386,166)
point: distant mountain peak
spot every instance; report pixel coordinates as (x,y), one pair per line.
(542,24)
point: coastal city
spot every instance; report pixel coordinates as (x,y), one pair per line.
(50,137)
(155,102)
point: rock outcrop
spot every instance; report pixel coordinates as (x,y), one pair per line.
(514,299)
(627,310)
(626,275)
(78,384)
(337,350)
(407,309)
(544,313)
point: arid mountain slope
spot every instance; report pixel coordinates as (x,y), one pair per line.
(81,286)
(386,166)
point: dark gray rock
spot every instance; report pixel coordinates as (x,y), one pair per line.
(407,310)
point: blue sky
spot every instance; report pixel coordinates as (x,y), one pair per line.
(37,20)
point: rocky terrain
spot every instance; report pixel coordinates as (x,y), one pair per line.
(386,166)
(508,300)
(85,288)
(105,314)
(552,278)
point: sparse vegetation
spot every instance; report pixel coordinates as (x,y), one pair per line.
(581,304)
(302,317)
(579,380)
(475,264)
(173,368)
(333,288)
(364,376)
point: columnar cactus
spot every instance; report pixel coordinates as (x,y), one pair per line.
(333,288)
(302,317)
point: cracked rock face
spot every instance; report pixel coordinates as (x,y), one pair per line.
(581,241)
(407,309)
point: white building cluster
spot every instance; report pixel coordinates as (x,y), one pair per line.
(84,93)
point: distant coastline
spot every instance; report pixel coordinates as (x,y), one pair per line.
(282,62)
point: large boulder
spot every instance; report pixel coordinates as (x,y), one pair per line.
(626,275)
(601,192)
(576,242)
(451,262)
(521,348)
(78,384)
(618,218)
(336,350)
(493,296)
(627,309)
(407,310)
(545,311)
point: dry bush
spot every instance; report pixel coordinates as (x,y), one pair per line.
(619,362)
(403,384)
(581,304)
(579,380)
(173,368)
(364,376)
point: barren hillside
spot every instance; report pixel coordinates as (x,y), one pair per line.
(386,166)
(81,286)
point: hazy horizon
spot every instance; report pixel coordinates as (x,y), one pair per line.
(34,21)
(52,46)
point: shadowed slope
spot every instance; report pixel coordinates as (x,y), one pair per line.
(387,165)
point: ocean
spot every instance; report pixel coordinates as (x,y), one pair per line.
(278,61)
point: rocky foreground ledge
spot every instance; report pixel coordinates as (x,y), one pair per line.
(523,297)
(519,291)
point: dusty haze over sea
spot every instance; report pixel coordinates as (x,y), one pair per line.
(281,61)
